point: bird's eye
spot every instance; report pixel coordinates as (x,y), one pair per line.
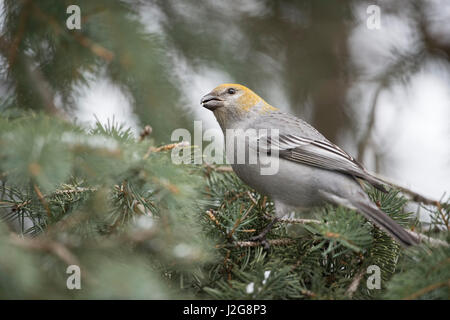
(231,91)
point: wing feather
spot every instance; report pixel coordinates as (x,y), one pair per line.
(321,154)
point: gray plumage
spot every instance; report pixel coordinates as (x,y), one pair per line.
(312,170)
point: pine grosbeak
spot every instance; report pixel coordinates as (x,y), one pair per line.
(311,170)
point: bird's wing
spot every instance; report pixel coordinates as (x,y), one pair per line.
(322,154)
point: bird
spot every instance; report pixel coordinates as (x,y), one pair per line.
(312,171)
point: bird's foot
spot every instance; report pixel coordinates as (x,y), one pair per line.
(261,237)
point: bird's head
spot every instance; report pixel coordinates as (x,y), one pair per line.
(236,102)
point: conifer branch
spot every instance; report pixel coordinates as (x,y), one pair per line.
(272,242)
(355,283)
(56,248)
(427,289)
(95,48)
(424,238)
(364,142)
(145,132)
(166,147)
(298,221)
(42,200)
(240,219)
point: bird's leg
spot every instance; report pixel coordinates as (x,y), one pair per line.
(261,237)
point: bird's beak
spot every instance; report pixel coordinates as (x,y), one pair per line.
(211,101)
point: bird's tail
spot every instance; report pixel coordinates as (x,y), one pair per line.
(382,220)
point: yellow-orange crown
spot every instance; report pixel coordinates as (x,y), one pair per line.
(248,99)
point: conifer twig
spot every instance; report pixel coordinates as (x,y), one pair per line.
(53,247)
(211,216)
(95,48)
(23,16)
(427,289)
(222,169)
(238,221)
(18,206)
(364,142)
(419,236)
(298,221)
(166,147)
(308,293)
(145,132)
(252,198)
(355,283)
(42,200)
(292,220)
(56,248)
(424,238)
(444,219)
(74,190)
(272,242)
